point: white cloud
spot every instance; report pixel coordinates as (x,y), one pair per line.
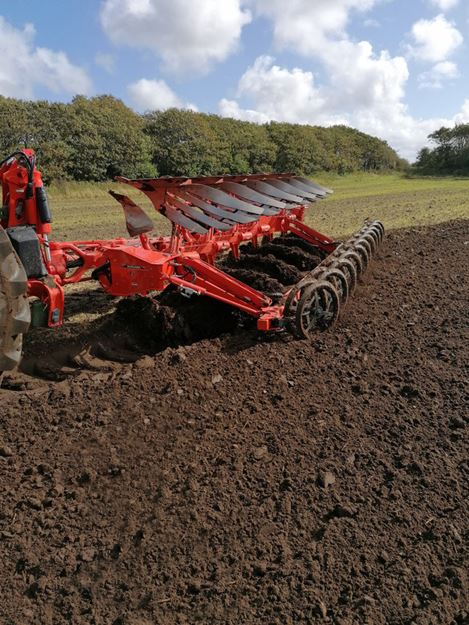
(231,108)
(372,23)
(24,66)
(441,72)
(306,25)
(106,61)
(445,5)
(463,116)
(362,91)
(154,95)
(280,94)
(361,79)
(188,36)
(268,84)
(358,78)
(381,112)
(363,88)
(405,132)
(435,40)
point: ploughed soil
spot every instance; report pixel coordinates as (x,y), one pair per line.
(247,481)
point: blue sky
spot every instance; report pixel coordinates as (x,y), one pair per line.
(394,68)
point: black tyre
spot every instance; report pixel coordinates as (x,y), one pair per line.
(15,315)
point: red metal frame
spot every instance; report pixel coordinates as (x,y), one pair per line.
(141,265)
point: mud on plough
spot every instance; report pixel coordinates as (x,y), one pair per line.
(241,240)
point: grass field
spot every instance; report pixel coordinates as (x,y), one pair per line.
(83,210)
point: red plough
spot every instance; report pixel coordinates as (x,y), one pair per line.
(212,218)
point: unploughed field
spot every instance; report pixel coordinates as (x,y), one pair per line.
(251,481)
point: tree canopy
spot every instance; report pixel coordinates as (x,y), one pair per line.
(450,154)
(98,138)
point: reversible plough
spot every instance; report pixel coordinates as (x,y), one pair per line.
(227,231)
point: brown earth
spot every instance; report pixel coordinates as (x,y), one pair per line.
(239,481)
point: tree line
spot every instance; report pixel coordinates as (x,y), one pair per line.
(97,138)
(450,154)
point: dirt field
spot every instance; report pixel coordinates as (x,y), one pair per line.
(238,481)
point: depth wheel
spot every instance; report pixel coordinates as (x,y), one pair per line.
(317,310)
(15,315)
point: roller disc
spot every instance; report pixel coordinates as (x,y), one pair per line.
(349,269)
(379,227)
(371,240)
(15,315)
(375,234)
(317,310)
(338,280)
(375,228)
(314,304)
(363,252)
(293,299)
(362,240)
(352,255)
(378,231)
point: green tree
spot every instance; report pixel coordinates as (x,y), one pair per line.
(184,144)
(249,148)
(299,148)
(106,139)
(450,154)
(99,138)
(14,124)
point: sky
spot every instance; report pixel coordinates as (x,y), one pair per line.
(397,69)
